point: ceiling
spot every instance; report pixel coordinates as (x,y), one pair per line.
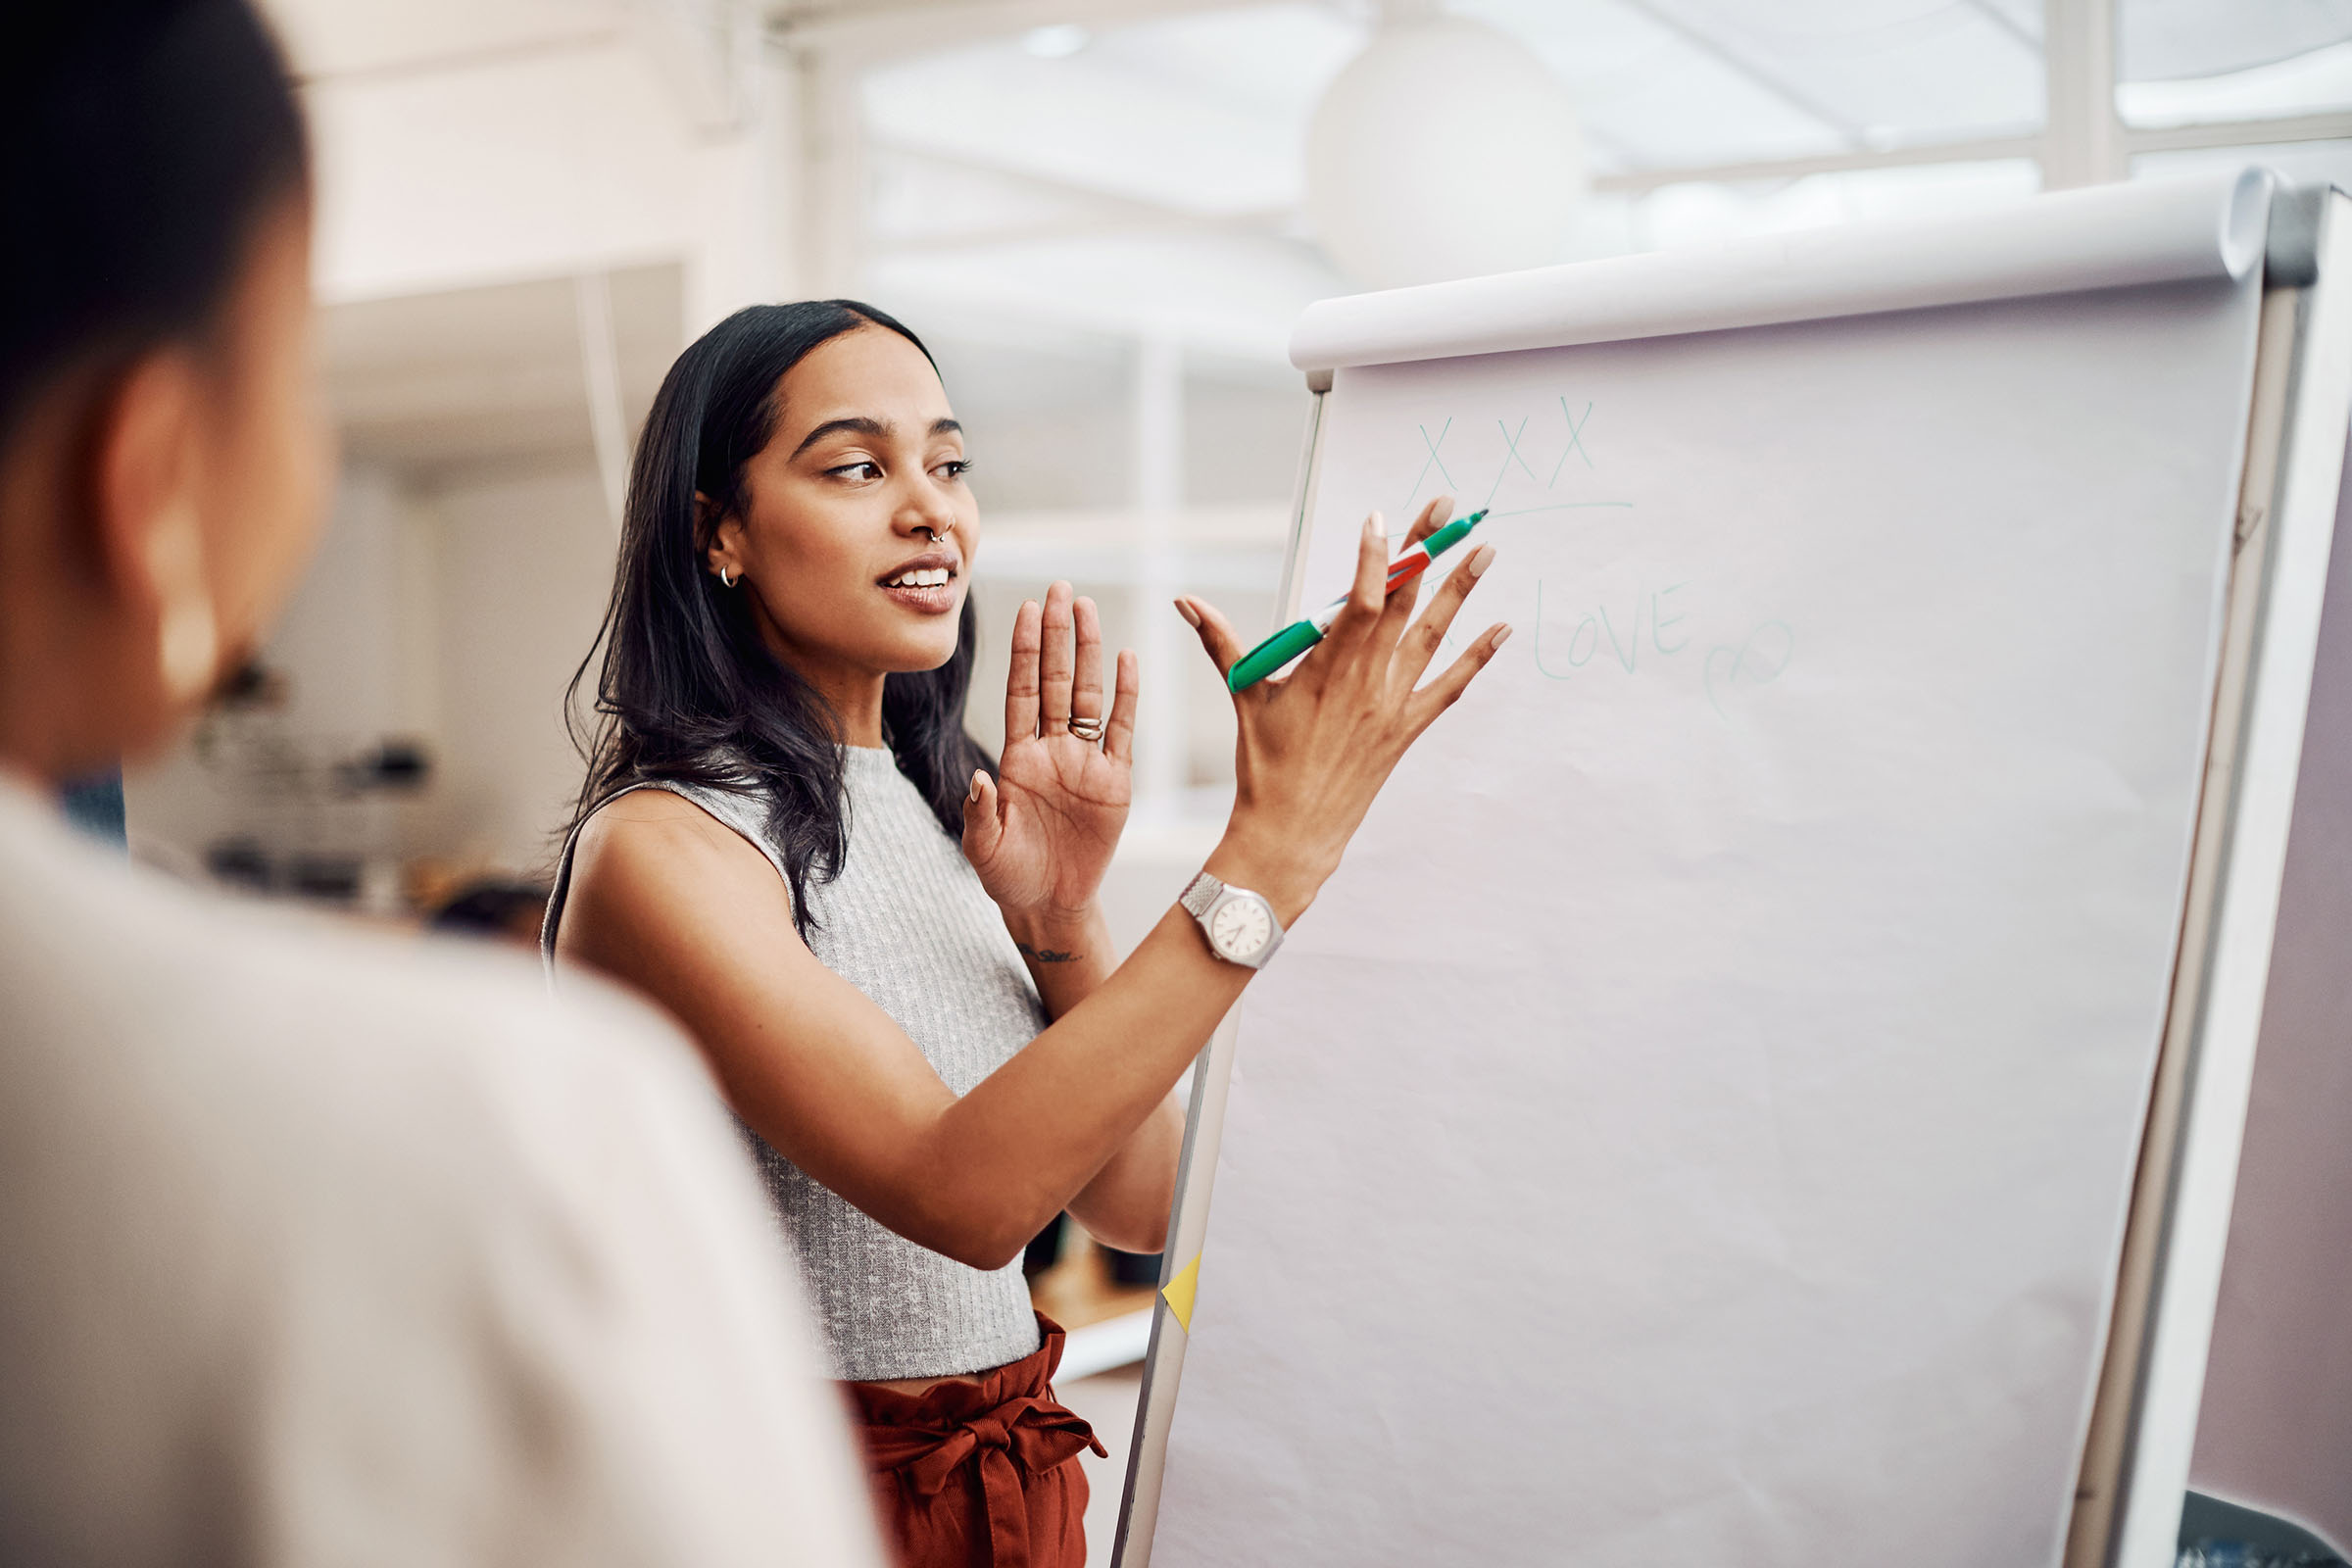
(1204,115)
(341,39)
(1155,169)
(441,387)
(1109,174)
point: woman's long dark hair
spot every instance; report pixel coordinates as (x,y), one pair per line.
(686,690)
(142,142)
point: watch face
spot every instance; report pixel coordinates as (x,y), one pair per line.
(1240,927)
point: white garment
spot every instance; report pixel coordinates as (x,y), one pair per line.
(325,1248)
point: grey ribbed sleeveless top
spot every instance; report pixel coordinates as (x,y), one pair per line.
(908,923)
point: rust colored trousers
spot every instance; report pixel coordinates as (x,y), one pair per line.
(981,1473)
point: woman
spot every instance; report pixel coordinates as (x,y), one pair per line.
(931,1043)
(321,1246)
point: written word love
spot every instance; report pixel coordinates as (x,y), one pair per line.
(1657,629)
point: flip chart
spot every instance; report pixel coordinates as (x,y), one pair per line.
(1697,1123)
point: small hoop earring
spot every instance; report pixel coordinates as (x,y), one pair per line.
(725,581)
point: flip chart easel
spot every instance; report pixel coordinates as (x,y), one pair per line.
(2133,1139)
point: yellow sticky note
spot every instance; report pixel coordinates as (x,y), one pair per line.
(1179,1291)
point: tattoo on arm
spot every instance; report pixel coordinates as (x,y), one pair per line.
(1048,955)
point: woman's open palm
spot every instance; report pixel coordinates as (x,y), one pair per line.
(1042,833)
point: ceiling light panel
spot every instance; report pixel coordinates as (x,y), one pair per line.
(1673,83)
(2158,40)
(1088,122)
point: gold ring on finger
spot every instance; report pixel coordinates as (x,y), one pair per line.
(1088,731)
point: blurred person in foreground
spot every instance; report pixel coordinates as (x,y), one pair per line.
(318,1247)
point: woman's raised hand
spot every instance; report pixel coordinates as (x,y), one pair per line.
(1042,832)
(1316,746)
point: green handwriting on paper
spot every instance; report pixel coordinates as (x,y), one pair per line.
(1595,631)
(1528,457)
(1628,634)
(1540,457)
(1755,661)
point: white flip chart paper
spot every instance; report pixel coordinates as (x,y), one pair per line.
(1696,1125)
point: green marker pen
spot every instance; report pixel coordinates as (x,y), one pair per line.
(1301,635)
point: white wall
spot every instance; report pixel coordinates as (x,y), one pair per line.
(357,639)
(579,156)
(496,172)
(524,565)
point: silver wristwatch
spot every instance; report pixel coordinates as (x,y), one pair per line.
(1240,924)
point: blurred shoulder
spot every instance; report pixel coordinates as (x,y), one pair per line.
(283,1034)
(288,1193)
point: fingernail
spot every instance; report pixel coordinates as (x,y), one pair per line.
(975,794)
(1374,527)
(1502,635)
(1191,617)
(1480,559)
